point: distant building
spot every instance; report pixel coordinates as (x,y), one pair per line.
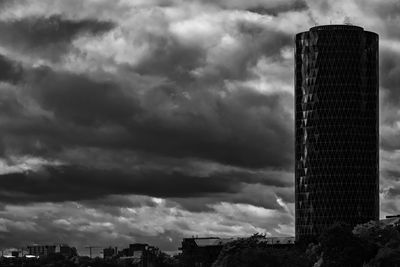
(45,250)
(393,220)
(41,250)
(393,216)
(66,250)
(336,128)
(201,252)
(140,255)
(124,253)
(110,252)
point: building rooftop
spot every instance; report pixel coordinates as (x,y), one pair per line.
(347,27)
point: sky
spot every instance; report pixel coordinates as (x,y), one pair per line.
(152,120)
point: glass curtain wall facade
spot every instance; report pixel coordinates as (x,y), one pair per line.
(336,128)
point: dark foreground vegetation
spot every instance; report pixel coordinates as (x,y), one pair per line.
(368,245)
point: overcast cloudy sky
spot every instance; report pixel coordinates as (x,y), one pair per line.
(151,120)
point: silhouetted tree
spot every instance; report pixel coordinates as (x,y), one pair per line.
(386,239)
(249,252)
(339,247)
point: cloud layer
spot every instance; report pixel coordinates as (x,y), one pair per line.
(155,120)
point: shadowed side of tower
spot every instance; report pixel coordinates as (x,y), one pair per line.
(336,128)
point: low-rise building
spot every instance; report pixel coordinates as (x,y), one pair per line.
(393,220)
(110,252)
(41,250)
(46,250)
(140,255)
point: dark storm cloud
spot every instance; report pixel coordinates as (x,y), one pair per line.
(7,3)
(79,183)
(120,201)
(258,189)
(77,98)
(10,71)
(297,5)
(390,141)
(48,36)
(392,175)
(256,195)
(387,9)
(191,133)
(390,73)
(390,207)
(393,192)
(9,105)
(390,81)
(80,106)
(286,194)
(166,120)
(241,129)
(231,136)
(387,12)
(170,59)
(185,117)
(71,183)
(114,204)
(260,6)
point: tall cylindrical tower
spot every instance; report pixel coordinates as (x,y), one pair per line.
(336,128)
